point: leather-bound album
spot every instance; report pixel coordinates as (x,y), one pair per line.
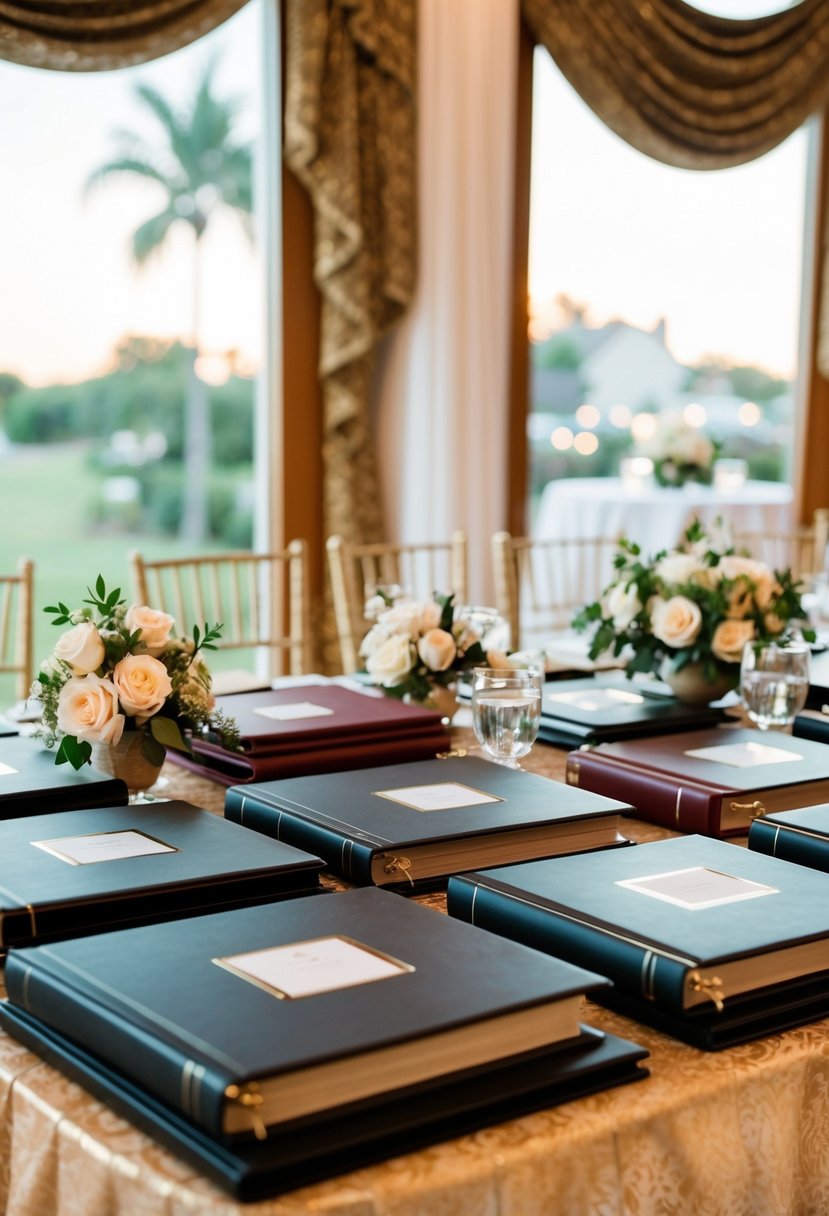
(82,871)
(31,782)
(801,836)
(402,825)
(714,782)
(268,1023)
(818,694)
(595,710)
(713,943)
(252,1169)
(316,728)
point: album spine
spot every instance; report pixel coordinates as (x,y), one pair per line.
(143,1053)
(776,840)
(634,967)
(342,854)
(658,797)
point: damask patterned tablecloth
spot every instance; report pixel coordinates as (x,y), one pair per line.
(743,1132)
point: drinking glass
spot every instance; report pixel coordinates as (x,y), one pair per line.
(506,711)
(774,681)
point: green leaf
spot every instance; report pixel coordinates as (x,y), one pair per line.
(100,587)
(73,752)
(151,749)
(167,733)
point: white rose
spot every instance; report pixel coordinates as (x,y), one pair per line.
(143,685)
(437,649)
(81,648)
(729,639)
(409,618)
(675,568)
(391,663)
(676,621)
(373,640)
(88,709)
(154,626)
(622,603)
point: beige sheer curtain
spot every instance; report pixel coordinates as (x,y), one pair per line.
(691,89)
(350,139)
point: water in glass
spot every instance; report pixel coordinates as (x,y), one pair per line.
(774,683)
(506,711)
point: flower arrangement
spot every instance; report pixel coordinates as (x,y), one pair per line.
(120,669)
(414,649)
(692,604)
(679,452)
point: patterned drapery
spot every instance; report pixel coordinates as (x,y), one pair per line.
(694,90)
(350,139)
(97,35)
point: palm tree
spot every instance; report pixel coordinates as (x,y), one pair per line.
(199,169)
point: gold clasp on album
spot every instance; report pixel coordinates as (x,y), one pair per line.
(756,808)
(249,1097)
(712,987)
(399,864)
(458,752)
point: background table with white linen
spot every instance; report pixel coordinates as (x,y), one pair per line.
(654,516)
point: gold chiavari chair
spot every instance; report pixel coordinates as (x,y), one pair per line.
(16,626)
(246,593)
(421,568)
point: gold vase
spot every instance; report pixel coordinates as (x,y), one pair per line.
(691,685)
(126,761)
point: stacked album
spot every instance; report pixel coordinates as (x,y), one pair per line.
(314,728)
(82,871)
(31,782)
(710,942)
(405,824)
(275,1046)
(596,710)
(715,782)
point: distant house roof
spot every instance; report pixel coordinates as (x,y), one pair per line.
(556,390)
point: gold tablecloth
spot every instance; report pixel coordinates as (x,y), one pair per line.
(744,1132)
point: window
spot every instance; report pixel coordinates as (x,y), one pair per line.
(95,352)
(657,290)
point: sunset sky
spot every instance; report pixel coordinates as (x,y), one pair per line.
(718,254)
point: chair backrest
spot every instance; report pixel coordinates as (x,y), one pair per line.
(422,568)
(541,583)
(16,626)
(243,591)
(802,549)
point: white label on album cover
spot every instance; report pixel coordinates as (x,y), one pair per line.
(103,846)
(697,887)
(293,712)
(6,770)
(744,755)
(439,796)
(323,964)
(596,699)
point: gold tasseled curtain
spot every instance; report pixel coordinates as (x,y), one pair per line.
(691,89)
(350,139)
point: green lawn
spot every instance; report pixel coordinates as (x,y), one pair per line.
(46,499)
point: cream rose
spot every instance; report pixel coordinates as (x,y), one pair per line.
(622,603)
(390,663)
(88,709)
(499,660)
(143,685)
(411,618)
(752,580)
(682,568)
(154,626)
(374,639)
(676,621)
(81,648)
(437,649)
(729,639)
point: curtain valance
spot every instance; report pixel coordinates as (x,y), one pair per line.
(694,90)
(98,35)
